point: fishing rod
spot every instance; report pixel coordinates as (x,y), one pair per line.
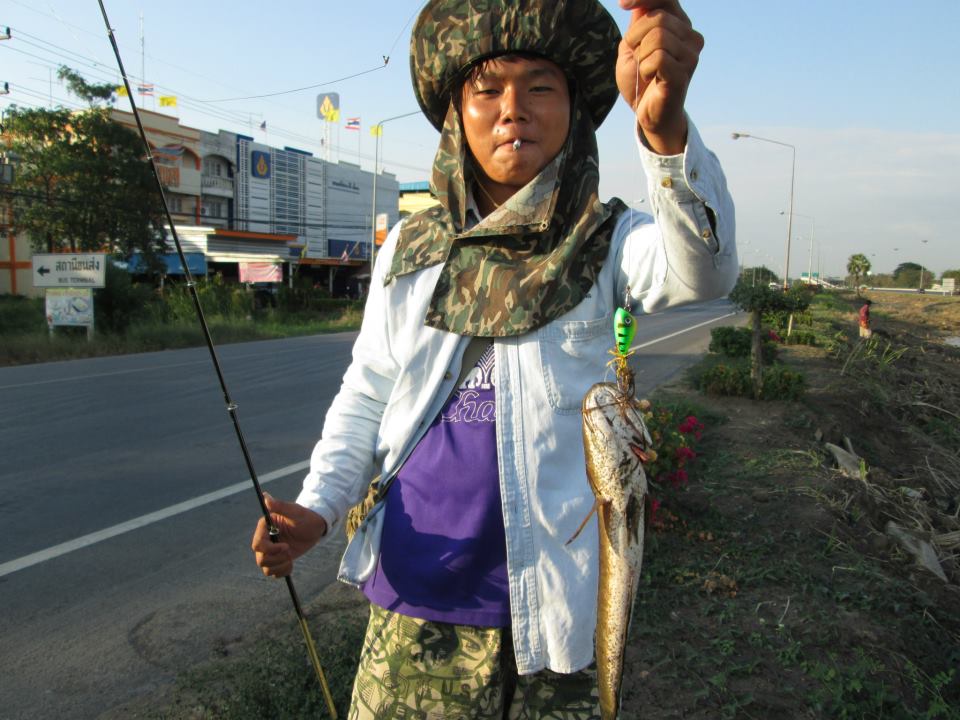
(231,406)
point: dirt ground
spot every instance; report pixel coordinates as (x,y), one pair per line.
(775,587)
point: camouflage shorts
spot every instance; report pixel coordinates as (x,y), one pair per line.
(417,669)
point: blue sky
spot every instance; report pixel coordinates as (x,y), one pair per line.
(866,91)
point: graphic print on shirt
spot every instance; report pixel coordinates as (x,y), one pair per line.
(473,401)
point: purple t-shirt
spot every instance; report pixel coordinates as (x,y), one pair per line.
(443,554)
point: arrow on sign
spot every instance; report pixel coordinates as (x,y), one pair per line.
(42,270)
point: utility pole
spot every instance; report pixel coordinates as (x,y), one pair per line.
(921,269)
(143,61)
(376,162)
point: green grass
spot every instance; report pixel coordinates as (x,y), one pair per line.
(35,346)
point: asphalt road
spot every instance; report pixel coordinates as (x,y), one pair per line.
(127,510)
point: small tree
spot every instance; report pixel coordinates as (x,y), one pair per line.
(82,183)
(912,275)
(91,93)
(758,300)
(858,265)
(759,275)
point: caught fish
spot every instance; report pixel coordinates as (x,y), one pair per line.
(616,445)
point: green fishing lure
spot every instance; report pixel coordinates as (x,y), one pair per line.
(624,329)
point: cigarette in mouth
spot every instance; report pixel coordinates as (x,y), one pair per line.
(516,144)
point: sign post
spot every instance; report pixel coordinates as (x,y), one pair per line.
(70,307)
(70,280)
(69,270)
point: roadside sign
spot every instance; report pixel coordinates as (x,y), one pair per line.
(66,270)
(328,107)
(70,306)
(380,233)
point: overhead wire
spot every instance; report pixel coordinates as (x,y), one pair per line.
(386,60)
(101,71)
(104,74)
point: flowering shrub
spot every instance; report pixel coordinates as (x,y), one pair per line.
(674,443)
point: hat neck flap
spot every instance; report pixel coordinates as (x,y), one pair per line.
(526,263)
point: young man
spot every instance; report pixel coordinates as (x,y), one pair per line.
(479,608)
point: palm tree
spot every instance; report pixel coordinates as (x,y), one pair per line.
(857,266)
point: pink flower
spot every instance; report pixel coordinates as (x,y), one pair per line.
(691,425)
(685,453)
(654,506)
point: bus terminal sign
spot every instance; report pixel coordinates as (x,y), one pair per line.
(65,270)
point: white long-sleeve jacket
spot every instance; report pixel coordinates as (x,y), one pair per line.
(403,371)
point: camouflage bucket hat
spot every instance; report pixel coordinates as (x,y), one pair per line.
(451,35)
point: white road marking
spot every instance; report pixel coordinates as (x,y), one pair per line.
(681,332)
(81,542)
(144,520)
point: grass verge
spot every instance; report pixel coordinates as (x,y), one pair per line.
(20,348)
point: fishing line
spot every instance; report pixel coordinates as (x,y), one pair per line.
(405,26)
(231,406)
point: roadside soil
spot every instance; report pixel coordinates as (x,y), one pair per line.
(773,585)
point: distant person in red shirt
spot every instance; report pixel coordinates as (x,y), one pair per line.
(865,331)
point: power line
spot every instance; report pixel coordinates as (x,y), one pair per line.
(386,60)
(103,72)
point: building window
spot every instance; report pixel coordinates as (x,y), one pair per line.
(213,209)
(213,167)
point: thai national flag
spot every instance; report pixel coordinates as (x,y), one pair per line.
(353,123)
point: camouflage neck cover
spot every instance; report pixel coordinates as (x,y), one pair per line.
(528,262)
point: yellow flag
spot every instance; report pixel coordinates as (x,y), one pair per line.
(122,91)
(376,130)
(168,101)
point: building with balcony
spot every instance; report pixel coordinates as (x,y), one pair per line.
(218,152)
(243,202)
(176,149)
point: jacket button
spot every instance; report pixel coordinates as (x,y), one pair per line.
(666,182)
(706,234)
(447,375)
(694,174)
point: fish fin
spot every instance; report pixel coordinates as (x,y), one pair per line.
(593,509)
(640,453)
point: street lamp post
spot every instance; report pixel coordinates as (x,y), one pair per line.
(920,289)
(793,172)
(376,161)
(813,228)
